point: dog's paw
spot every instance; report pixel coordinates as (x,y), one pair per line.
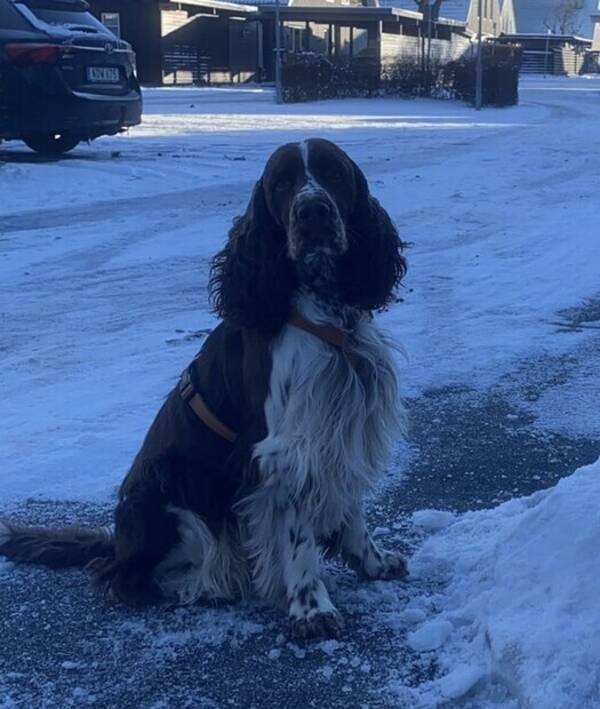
(391,566)
(318,625)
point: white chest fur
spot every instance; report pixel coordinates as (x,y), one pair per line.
(331,423)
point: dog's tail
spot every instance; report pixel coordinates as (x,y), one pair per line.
(58,548)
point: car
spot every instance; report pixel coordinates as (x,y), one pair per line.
(64,76)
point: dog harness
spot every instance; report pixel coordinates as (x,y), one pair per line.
(328,333)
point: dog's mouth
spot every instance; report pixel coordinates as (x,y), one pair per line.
(316,231)
(317,269)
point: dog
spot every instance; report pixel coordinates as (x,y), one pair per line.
(259,459)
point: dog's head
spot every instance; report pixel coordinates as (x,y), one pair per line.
(311,223)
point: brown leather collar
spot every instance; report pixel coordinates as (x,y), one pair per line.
(328,333)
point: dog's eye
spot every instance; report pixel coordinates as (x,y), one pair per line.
(283,184)
(334,174)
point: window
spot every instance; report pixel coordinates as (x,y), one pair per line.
(112,20)
(10,18)
(69,19)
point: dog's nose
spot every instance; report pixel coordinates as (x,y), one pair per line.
(315,210)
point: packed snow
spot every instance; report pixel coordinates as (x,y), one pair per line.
(104,291)
(520,602)
(103,270)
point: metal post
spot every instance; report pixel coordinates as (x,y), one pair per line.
(479,65)
(547,53)
(428,59)
(278,91)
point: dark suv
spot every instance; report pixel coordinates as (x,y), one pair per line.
(64,77)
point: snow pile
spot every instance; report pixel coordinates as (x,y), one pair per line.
(521,607)
(5,568)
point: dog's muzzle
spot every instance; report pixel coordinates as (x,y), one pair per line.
(316,226)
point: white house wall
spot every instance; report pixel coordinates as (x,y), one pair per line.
(508,23)
(395,47)
(491,17)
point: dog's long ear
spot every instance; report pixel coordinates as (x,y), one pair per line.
(252,279)
(373,266)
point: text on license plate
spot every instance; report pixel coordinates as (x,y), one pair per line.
(103,74)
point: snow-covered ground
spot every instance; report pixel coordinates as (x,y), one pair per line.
(103,269)
(521,602)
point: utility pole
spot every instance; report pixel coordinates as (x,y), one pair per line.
(479,65)
(278,91)
(428,62)
(547,53)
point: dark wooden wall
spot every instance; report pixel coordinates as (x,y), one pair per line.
(140,26)
(231,44)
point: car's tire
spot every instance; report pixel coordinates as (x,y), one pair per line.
(51,143)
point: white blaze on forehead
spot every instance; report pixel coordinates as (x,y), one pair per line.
(311,184)
(303,146)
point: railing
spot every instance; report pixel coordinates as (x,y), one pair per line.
(183,65)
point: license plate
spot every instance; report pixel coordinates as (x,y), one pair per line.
(103,74)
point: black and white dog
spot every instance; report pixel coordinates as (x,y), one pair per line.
(259,459)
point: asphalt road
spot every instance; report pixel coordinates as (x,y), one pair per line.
(62,646)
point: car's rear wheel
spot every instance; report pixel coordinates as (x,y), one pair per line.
(51,143)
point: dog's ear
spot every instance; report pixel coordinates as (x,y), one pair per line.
(373,266)
(252,278)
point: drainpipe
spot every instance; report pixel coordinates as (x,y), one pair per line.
(479,65)
(278,91)
(547,53)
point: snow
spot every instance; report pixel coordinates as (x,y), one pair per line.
(104,259)
(430,636)
(103,270)
(432,519)
(521,600)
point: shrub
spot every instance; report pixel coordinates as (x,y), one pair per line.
(311,77)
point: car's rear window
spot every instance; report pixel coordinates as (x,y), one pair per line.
(69,19)
(10,18)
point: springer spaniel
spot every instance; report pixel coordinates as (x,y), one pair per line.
(261,455)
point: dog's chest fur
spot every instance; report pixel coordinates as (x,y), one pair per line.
(331,422)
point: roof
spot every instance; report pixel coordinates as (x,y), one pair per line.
(552,38)
(456,10)
(451,9)
(537,16)
(231,5)
(331,13)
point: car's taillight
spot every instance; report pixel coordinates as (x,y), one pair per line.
(26,54)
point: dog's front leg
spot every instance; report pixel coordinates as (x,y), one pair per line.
(311,611)
(364,556)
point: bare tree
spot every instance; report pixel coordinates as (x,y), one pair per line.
(423,6)
(430,10)
(565,17)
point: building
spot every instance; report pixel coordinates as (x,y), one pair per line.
(556,36)
(194,41)
(215,41)
(353,28)
(463,11)
(547,16)
(596,38)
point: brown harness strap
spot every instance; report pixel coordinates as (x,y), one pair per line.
(200,408)
(328,333)
(206,415)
